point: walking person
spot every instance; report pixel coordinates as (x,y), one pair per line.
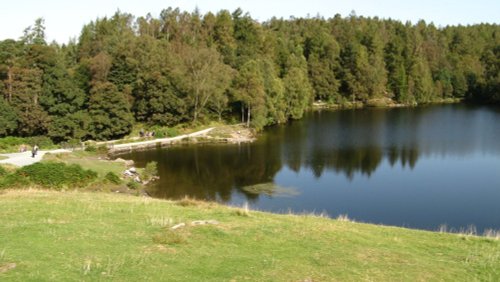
(34,151)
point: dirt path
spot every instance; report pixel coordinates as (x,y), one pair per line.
(24,158)
(154,142)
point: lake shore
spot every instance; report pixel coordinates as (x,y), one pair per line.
(379,103)
(231,134)
(81,235)
(103,157)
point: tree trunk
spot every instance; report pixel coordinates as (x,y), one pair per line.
(9,79)
(242,113)
(248,118)
(195,108)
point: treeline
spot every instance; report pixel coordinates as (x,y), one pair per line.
(188,67)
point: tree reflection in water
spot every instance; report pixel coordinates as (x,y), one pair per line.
(347,142)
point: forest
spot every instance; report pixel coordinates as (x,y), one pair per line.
(185,67)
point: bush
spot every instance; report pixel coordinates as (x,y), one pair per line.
(133,185)
(172,132)
(101,149)
(11,142)
(14,180)
(150,171)
(90,148)
(162,132)
(71,144)
(57,175)
(3,171)
(43,142)
(113,178)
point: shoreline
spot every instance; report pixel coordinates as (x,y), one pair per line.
(383,103)
(119,148)
(229,134)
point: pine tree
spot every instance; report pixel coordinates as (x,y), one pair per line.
(8,118)
(110,112)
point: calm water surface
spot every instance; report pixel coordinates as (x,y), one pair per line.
(419,168)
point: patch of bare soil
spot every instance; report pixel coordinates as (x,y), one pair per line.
(233,134)
(7,266)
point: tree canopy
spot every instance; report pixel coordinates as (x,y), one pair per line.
(189,67)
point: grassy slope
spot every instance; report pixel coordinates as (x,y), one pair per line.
(88,160)
(90,236)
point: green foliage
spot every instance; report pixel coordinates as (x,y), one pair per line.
(249,91)
(110,112)
(35,34)
(100,149)
(14,180)
(133,185)
(90,148)
(50,175)
(12,143)
(163,132)
(298,93)
(8,118)
(113,178)
(203,76)
(183,67)
(150,171)
(73,126)
(41,141)
(3,171)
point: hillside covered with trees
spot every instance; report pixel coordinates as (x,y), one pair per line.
(188,67)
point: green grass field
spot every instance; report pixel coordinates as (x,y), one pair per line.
(88,160)
(54,236)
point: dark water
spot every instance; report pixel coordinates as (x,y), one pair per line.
(419,168)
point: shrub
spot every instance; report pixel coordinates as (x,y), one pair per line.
(172,132)
(11,142)
(133,185)
(150,171)
(113,178)
(162,132)
(90,148)
(71,144)
(57,175)
(42,141)
(14,180)
(3,171)
(102,149)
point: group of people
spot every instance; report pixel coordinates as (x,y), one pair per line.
(34,149)
(146,134)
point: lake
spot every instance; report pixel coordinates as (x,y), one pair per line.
(418,167)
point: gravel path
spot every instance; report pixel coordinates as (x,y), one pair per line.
(24,158)
(143,144)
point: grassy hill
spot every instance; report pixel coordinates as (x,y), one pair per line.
(46,235)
